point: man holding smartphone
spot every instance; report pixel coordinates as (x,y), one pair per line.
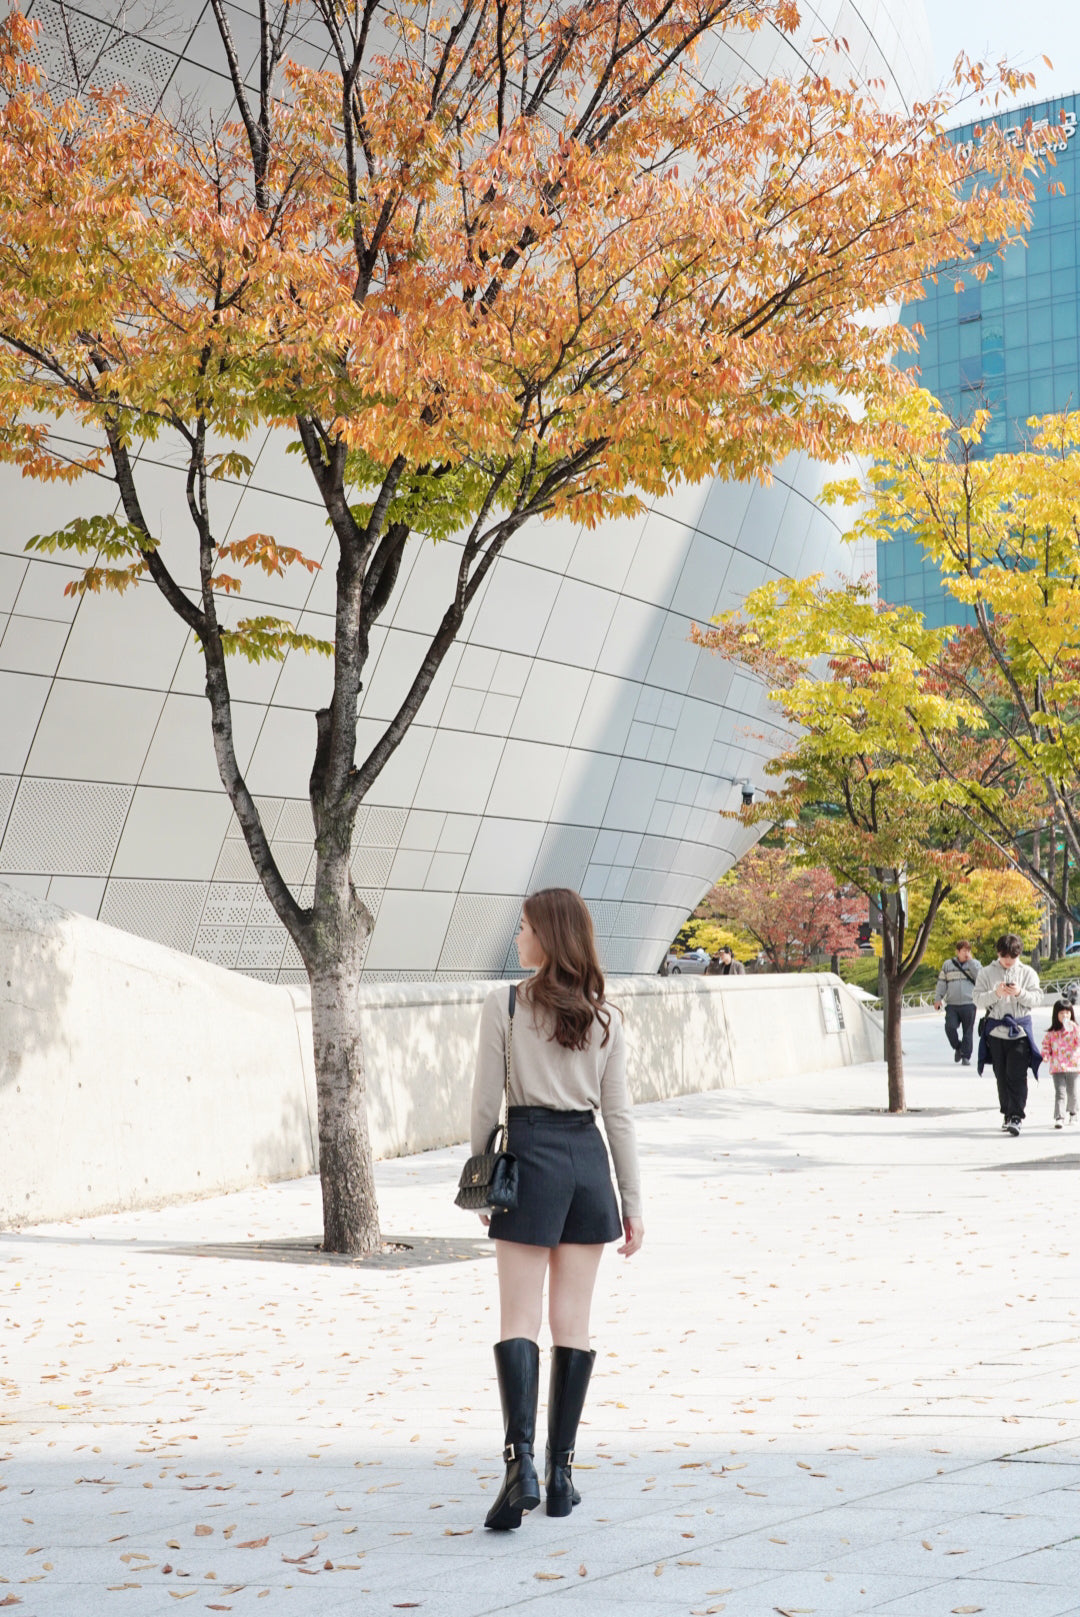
(1008,991)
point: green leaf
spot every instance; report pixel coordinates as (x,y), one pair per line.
(106,536)
(270,640)
(231,464)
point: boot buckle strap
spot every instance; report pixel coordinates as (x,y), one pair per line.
(562,1457)
(514,1451)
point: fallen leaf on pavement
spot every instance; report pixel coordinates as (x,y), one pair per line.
(252,1543)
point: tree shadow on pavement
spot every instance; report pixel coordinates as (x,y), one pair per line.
(413,1252)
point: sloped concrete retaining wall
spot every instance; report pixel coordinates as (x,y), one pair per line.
(130,1074)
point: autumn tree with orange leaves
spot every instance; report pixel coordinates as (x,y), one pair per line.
(507,263)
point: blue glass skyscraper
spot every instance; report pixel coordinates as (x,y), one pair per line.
(1009,344)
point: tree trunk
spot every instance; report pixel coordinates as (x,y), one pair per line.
(1051,874)
(894,1054)
(346,1169)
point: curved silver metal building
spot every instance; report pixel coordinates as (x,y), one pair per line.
(573,737)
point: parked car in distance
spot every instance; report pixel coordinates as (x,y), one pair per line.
(1073,948)
(690,964)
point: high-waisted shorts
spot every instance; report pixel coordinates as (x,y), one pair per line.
(564,1181)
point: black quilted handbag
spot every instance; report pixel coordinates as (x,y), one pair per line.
(490,1180)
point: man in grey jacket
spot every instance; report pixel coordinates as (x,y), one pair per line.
(955,987)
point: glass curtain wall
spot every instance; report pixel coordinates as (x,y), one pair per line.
(1009,344)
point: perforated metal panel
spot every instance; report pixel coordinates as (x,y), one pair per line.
(604,915)
(64,827)
(480,931)
(228,904)
(294,859)
(632,920)
(219,944)
(619,954)
(383,828)
(8,787)
(371,866)
(263,947)
(270,812)
(372,897)
(165,911)
(262,912)
(234,863)
(564,856)
(295,823)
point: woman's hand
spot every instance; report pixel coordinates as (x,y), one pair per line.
(634,1229)
(485,1219)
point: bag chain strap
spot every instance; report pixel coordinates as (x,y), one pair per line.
(509,1050)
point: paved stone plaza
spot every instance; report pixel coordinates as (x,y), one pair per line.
(842,1377)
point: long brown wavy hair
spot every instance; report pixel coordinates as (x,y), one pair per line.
(569,986)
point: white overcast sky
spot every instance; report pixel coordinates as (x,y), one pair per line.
(1024,32)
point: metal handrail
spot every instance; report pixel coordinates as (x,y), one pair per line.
(924,1002)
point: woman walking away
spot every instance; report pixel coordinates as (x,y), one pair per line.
(567,1061)
(1061,1052)
(1008,992)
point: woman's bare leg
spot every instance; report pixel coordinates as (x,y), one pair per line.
(570,1291)
(521,1288)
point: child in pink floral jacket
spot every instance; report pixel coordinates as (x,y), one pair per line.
(1061,1052)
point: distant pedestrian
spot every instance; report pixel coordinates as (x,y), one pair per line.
(1008,992)
(955,986)
(715,966)
(1061,1052)
(729,966)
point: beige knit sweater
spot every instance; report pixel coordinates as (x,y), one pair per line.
(543,1073)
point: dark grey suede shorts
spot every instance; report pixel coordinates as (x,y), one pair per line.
(564,1185)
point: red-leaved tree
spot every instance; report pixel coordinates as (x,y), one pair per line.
(794,914)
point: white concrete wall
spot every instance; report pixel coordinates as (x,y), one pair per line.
(132,1074)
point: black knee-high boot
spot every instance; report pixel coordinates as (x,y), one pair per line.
(517,1365)
(570,1372)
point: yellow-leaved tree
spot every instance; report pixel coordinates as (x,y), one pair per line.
(1004,532)
(867,782)
(493,264)
(989,904)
